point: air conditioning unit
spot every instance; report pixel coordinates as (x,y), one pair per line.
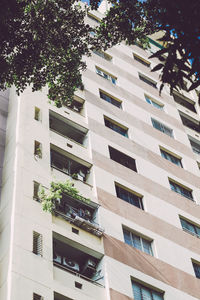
(90,263)
(71,264)
(89,268)
(57,258)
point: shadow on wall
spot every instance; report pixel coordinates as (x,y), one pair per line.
(4,98)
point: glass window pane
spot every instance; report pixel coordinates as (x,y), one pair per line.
(136,242)
(146,294)
(157,296)
(136,291)
(127,237)
(147,246)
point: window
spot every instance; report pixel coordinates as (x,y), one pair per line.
(70,165)
(195,147)
(37,243)
(76,104)
(122,159)
(148,81)
(154,103)
(130,197)
(37,115)
(196,269)
(70,258)
(37,297)
(137,242)
(185,192)
(38,149)
(182,101)
(141,292)
(115,127)
(189,123)
(103,55)
(110,99)
(190,227)
(141,60)
(67,128)
(175,160)
(36,187)
(161,127)
(105,75)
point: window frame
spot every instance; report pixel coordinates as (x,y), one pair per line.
(154,102)
(136,239)
(116,125)
(103,55)
(148,80)
(196,267)
(106,75)
(132,197)
(124,159)
(171,156)
(140,287)
(110,99)
(180,189)
(141,60)
(163,128)
(190,224)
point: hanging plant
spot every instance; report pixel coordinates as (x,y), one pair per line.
(50,197)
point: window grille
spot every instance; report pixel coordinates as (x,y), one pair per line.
(37,243)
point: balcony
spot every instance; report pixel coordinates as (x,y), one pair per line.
(68,128)
(81,212)
(77,105)
(70,165)
(85,263)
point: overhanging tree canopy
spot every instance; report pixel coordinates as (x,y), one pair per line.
(42,42)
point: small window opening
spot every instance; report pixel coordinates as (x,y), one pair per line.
(37,243)
(38,149)
(37,116)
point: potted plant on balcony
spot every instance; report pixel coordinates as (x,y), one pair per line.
(52,197)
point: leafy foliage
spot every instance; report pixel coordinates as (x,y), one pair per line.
(132,20)
(42,42)
(56,192)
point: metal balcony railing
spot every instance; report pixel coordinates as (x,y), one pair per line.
(81,217)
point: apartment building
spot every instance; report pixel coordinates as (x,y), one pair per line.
(133,231)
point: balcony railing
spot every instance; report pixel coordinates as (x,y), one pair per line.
(77,274)
(80,214)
